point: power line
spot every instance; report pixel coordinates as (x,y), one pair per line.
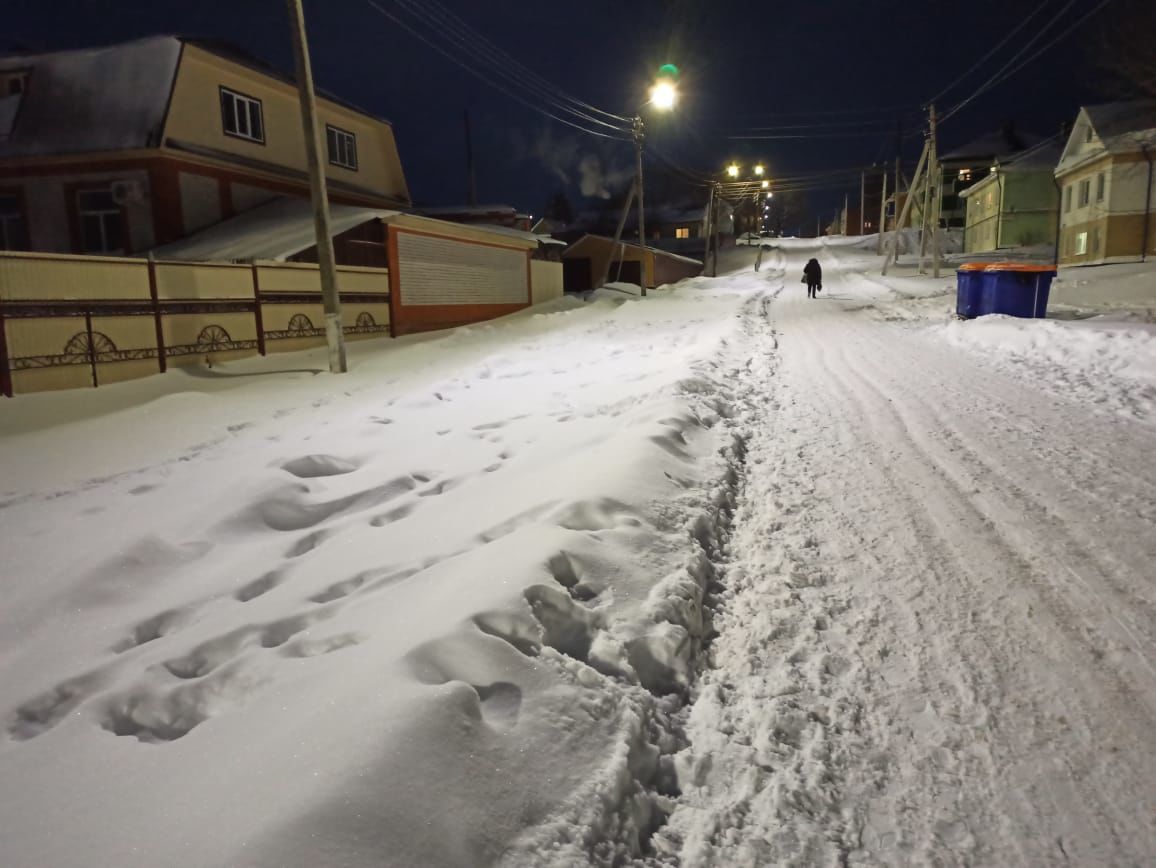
(1007,38)
(489,79)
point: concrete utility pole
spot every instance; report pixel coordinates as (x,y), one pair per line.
(862,203)
(708,232)
(638,136)
(616,250)
(334,335)
(843,224)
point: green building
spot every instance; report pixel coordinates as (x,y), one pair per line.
(1017,203)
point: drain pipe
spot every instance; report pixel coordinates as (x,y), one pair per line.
(1059,219)
(1147,205)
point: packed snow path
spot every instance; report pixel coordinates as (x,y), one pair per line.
(724,576)
(938,641)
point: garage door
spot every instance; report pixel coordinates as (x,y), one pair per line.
(440,271)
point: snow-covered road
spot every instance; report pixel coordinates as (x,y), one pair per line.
(939,639)
(724,576)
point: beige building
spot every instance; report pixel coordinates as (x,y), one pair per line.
(1108,186)
(179,135)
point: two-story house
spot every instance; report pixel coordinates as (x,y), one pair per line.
(1016,203)
(116,150)
(1108,185)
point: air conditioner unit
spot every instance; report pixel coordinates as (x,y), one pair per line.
(127,192)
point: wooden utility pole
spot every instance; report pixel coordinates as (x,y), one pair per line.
(882,214)
(638,136)
(708,232)
(334,335)
(616,250)
(862,203)
(937,202)
(893,249)
(843,222)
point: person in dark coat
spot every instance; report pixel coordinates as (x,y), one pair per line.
(813,275)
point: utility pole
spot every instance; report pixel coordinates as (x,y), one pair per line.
(862,203)
(937,204)
(893,248)
(617,249)
(882,214)
(638,136)
(708,231)
(334,335)
(843,224)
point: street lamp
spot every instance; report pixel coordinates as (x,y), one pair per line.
(663,95)
(760,170)
(733,170)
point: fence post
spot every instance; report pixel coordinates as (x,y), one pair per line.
(5,369)
(162,360)
(91,346)
(258,315)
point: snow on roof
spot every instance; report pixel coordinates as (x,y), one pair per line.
(1124,126)
(275,231)
(473,210)
(655,250)
(116,98)
(999,143)
(1045,155)
(541,238)
(109,98)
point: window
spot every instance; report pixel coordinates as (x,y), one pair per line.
(13,82)
(1100,187)
(241,116)
(342,147)
(1085,191)
(1081,243)
(682,232)
(101,222)
(965,174)
(1067,198)
(12,232)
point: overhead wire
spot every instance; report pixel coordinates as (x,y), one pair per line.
(576,120)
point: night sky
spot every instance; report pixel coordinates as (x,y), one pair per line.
(743,64)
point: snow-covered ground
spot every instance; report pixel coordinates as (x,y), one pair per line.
(722,576)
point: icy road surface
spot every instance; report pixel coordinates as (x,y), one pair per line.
(724,576)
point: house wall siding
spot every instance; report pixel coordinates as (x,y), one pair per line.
(195,117)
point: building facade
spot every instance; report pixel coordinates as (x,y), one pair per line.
(1108,187)
(179,135)
(1016,204)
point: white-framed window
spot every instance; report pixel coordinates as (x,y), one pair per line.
(101,222)
(682,232)
(241,116)
(1100,184)
(13,235)
(1085,192)
(1067,198)
(342,147)
(1081,243)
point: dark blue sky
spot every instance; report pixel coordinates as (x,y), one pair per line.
(743,64)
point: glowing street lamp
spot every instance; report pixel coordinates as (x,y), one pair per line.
(766,185)
(760,170)
(733,170)
(663,95)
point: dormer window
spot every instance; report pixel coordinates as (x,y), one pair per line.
(1087,135)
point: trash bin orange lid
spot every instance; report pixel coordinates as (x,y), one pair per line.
(1020,266)
(974,266)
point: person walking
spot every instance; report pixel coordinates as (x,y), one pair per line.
(813,277)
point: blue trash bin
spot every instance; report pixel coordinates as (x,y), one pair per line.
(969,289)
(1016,290)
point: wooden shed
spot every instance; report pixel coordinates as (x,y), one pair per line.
(584,262)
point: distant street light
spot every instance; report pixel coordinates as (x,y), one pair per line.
(760,170)
(733,170)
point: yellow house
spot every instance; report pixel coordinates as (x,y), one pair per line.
(179,135)
(1108,187)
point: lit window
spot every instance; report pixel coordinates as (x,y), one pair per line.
(682,232)
(342,147)
(1081,243)
(101,222)
(241,116)
(965,174)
